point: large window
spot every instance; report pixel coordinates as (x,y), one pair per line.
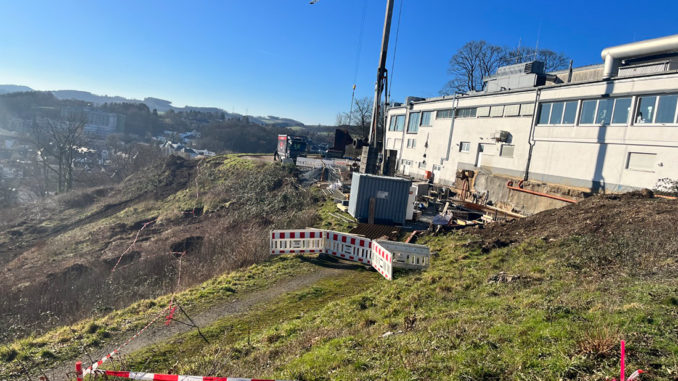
(570,113)
(413,124)
(544,113)
(666,109)
(426,119)
(397,123)
(622,108)
(466,112)
(604,112)
(646,109)
(444,114)
(588,111)
(657,109)
(556,113)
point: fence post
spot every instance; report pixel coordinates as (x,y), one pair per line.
(622,362)
(78,370)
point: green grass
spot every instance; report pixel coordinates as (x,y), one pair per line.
(68,342)
(327,221)
(448,322)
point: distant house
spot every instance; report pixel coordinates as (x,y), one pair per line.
(169,148)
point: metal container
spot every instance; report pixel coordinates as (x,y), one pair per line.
(390,196)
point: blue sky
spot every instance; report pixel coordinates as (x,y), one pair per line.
(286,57)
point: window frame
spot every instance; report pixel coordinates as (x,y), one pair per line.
(421,119)
(628,114)
(394,124)
(461,147)
(654,122)
(539,113)
(409,122)
(576,112)
(449,110)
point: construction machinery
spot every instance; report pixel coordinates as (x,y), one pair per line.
(290,147)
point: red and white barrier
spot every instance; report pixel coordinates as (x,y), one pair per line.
(407,255)
(171,377)
(348,246)
(382,260)
(297,241)
(383,255)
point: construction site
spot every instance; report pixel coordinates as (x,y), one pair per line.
(524,231)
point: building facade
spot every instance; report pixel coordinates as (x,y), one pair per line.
(592,127)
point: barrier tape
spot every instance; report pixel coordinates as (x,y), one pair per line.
(132,245)
(97,364)
(143,376)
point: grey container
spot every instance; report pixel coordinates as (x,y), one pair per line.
(390,195)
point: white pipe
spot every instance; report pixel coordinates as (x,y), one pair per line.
(635,49)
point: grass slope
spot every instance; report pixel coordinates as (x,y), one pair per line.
(552,305)
(544,308)
(448,322)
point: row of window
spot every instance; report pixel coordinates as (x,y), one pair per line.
(423,118)
(519,109)
(654,109)
(506,150)
(635,161)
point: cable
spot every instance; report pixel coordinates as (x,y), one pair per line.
(395,49)
(357,60)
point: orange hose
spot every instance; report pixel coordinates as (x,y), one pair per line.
(666,197)
(509,185)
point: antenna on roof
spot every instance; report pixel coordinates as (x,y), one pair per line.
(518,50)
(536,47)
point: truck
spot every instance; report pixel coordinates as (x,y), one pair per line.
(290,147)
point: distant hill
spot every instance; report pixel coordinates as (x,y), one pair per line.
(161,105)
(5,89)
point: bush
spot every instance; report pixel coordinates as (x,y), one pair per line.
(667,186)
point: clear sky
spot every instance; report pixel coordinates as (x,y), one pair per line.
(286,57)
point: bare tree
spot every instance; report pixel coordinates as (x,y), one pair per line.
(478,59)
(472,62)
(359,117)
(552,61)
(56,142)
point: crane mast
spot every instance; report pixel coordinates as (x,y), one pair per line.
(370,158)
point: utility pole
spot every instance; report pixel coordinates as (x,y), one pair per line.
(370,158)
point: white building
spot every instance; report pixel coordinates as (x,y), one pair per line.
(608,127)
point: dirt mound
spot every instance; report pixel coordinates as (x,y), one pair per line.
(635,229)
(605,214)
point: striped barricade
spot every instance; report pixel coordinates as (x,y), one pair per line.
(348,246)
(297,241)
(383,255)
(382,260)
(407,255)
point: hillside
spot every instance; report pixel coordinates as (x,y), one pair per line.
(210,209)
(161,105)
(546,297)
(545,307)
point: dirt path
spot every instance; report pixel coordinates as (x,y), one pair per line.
(268,158)
(239,304)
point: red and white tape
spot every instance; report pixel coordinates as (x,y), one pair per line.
(168,377)
(97,364)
